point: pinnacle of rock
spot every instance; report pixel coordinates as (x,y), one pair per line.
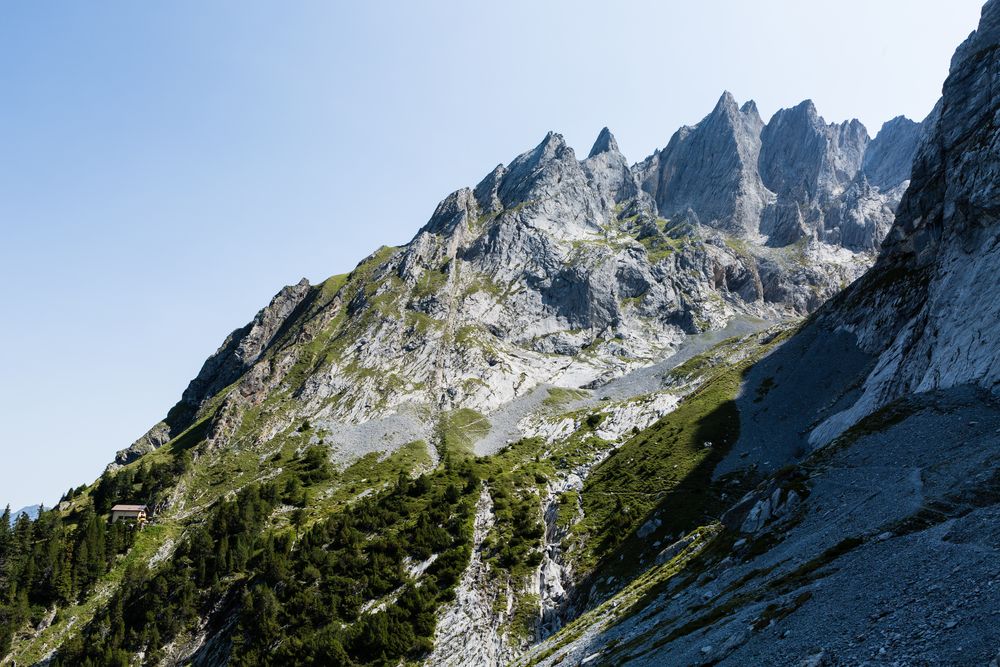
(605,143)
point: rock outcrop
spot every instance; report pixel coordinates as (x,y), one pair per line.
(710,169)
(238,353)
(871,537)
(554,269)
(889,156)
(928,309)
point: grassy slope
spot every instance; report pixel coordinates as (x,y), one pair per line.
(665,466)
(664,473)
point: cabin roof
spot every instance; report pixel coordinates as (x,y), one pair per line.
(128,508)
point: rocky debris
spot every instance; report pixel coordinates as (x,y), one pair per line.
(554,578)
(774,499)
(555,573)
(780,503)
(671,551)
(831,587)
(862,216)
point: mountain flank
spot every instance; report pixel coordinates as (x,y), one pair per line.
(732,404)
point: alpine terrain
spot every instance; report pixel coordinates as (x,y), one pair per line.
(733,404)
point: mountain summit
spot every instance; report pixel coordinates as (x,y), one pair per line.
(720,406)
(554,268)
(605,143)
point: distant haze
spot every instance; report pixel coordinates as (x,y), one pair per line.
(166,168)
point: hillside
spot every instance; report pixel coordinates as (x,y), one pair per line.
(592,412)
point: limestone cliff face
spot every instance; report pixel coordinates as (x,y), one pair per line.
(929,308)
(559,270)
(710,169)
(889,156)
(794,179)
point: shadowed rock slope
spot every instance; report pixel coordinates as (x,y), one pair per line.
(873,534)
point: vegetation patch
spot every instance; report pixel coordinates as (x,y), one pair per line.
(559,397)
(461,429)
(303,590)
(669,464)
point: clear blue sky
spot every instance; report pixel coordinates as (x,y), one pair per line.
(166,167)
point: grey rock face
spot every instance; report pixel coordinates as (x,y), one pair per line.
(245,346)
(817,172)
(796,178)
(711,169)
(608,172)
(605,143)
(803,158)
(487,192)
(929,308)
(554,270)
(551,176)
(889,156)
(861,217)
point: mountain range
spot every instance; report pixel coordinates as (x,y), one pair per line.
(732,404)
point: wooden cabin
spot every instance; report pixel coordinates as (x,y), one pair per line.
(136,513)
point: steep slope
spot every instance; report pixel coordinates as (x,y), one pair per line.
(873,534)
(562,271)
(484,425)
(925,309)
(723,149)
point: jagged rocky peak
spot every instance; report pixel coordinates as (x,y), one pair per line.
(810,165)
(804,157)
(488,191)
(525,171)
(605,143)
(890,154)
(710,170)
(787,180)
(609,173)
(551,182)
(822,176)
(750,108)
(451,211)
